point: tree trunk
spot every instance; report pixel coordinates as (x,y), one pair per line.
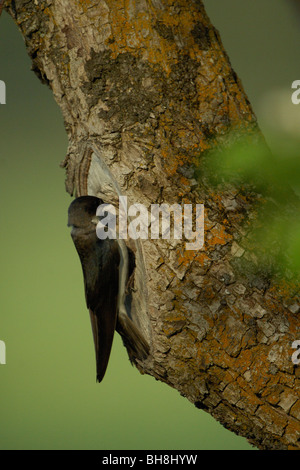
(146,89)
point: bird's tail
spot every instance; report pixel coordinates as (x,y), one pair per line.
(135,343)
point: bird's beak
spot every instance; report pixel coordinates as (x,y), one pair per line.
(95,220)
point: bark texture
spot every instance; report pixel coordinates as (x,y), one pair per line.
(146,89)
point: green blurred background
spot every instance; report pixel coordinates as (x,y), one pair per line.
(48,395)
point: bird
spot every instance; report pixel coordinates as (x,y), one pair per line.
(101,265)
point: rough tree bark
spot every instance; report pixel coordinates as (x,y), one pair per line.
(146,89)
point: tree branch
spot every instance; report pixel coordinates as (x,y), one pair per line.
(146,90)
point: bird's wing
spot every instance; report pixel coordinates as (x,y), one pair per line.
(102,300)
(133,339)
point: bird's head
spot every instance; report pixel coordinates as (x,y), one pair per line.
(82,213)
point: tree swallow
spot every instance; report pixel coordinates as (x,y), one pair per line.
(101,262)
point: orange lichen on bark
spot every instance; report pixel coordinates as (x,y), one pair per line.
(137,30)
(173,162)
(217,199)
(285,289)
(132,31)
(85,4)
(218,236)
(186,257)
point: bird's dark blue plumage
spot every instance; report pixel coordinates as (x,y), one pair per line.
(100,260)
